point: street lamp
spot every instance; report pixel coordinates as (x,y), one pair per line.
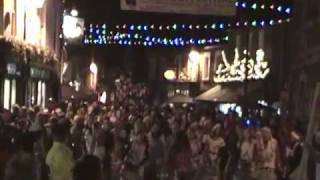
(74,13)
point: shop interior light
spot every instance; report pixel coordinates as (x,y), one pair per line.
(194,56)
(93,68)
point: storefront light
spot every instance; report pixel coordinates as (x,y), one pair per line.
(170,75)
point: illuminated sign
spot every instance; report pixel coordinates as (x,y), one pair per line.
(256,68)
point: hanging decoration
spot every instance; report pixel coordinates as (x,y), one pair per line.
(178,34)
(242,69)
(128,39)
(279,9)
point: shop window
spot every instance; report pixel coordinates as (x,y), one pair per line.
(43,94)
(39,93)
(13,91)
(6,94)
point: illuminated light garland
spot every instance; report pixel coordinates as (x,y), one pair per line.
(287,10)
(182,27)
(126,39)
(98,34)
(236,72)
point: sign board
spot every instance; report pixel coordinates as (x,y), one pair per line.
(257,68)
(194,7)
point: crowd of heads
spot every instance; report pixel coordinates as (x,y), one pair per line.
(129,137)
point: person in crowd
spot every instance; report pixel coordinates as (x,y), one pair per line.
(22,165)
(269,155)
(246,156)
(294,153)
(60,158)
(87,168)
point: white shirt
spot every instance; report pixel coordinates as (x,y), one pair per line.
(247,151)
(269,154)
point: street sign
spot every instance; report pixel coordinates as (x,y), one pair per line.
(195,7)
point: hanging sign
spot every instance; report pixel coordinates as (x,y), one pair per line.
(196,7)
(257,68)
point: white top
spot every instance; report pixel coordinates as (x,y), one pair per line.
(269,154)
(247,151)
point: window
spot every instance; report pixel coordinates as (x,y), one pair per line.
(6,94)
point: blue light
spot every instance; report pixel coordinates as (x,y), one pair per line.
(153,39)
(145,43)
(244,5)
(148,38)
(159,40)
(262,23)
(288,10)
(279,8)
(120,42)
(236,4)
(210,40)
(191,41)
(190,27)
(104,26)
(91,30)
(125,42)
(132,27)
(221,26)
(145,28)
(183,26)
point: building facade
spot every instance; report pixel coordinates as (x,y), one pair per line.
(303,58)
(30,51)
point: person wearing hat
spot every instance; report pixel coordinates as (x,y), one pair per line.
(60,158)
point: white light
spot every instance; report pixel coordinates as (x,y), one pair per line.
(74,13)
(93,68)
(170,75)
(71,27)
(38,3)
(71,84)
(194,56)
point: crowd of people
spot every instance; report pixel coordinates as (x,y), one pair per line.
(129,137)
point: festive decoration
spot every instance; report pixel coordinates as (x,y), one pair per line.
(256,69)
(128,39)
(282,9)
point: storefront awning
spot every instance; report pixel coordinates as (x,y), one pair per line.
(220,94)
(179,98)
(227,93)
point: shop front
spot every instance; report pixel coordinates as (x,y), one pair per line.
(10,83)
(37,86)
